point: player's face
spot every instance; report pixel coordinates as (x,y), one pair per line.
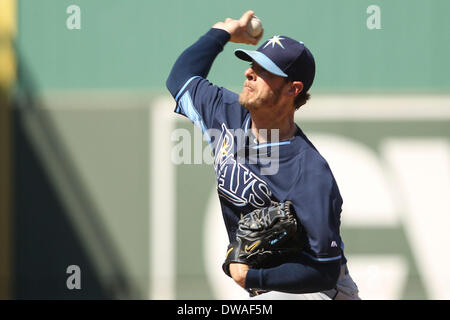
(262,89)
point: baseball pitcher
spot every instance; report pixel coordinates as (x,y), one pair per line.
(280,202)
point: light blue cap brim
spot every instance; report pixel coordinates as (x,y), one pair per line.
(261,59)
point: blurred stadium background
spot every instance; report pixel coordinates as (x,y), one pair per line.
(86,176)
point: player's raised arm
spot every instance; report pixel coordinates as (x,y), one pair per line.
(199,57)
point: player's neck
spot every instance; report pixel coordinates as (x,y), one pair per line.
(262,128)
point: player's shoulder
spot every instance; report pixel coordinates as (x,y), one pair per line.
(227,108)
(313,162)
(230,97)
(232,110)
(207,87)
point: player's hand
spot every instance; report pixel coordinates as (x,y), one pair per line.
(238,29)
(238,272)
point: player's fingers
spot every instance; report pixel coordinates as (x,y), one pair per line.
(246,17)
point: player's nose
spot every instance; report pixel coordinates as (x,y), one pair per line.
(250,74)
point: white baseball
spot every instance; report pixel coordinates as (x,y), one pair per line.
(254,28)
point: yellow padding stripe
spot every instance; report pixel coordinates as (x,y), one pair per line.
(8,29)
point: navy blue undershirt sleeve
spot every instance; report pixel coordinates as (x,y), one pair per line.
(197,59)
(303,276)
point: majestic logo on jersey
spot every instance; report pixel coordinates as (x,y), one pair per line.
(235,182)
(273,41)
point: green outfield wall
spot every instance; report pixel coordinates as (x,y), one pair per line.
(132,44)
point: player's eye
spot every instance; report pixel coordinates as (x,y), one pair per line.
(255,67)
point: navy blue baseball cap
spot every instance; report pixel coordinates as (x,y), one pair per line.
(284,57)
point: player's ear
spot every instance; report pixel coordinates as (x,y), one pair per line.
(296,87)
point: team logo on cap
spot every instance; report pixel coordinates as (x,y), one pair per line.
(273,41)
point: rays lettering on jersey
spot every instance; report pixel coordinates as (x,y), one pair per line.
(235,182)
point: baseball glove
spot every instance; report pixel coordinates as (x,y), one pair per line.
(263,237)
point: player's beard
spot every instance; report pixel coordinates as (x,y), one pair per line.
(254,100)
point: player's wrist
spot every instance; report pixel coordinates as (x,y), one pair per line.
(221,26)
(230,26)
(239,272)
